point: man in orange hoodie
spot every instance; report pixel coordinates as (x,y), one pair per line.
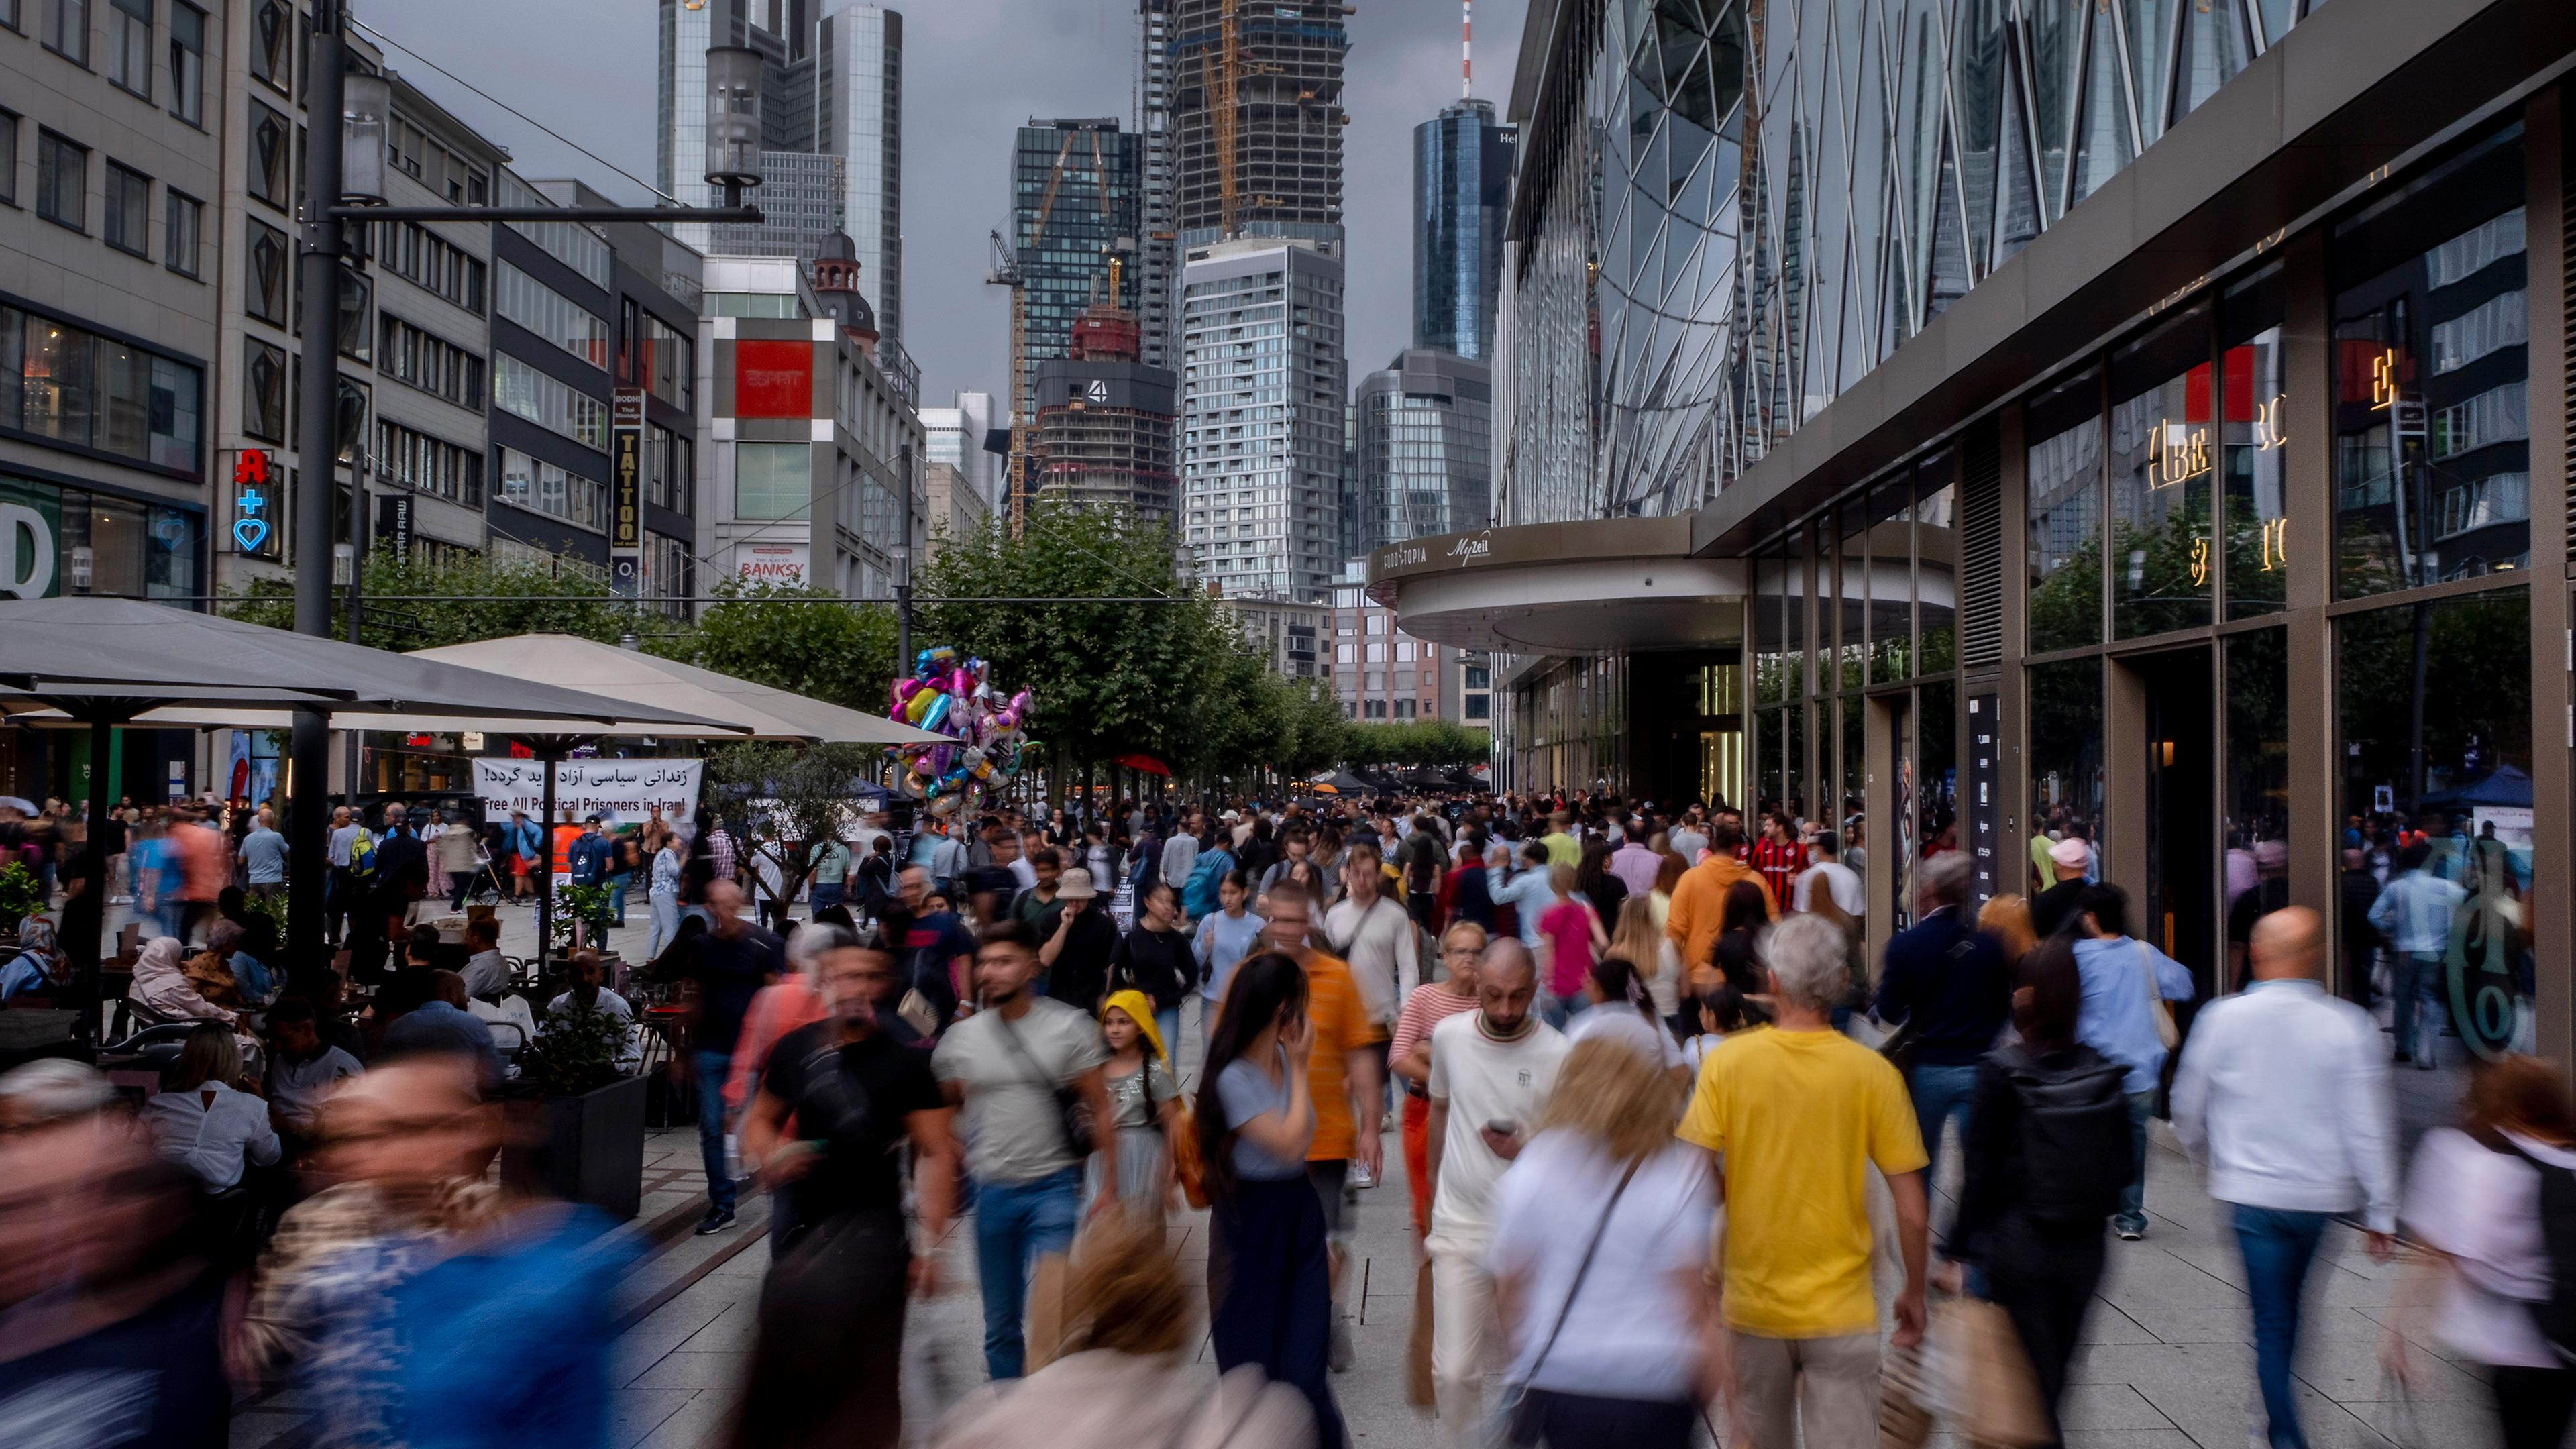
(1699,902)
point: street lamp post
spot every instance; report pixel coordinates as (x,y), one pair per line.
(335,176)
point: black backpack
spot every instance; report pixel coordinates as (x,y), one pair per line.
(2555,1316)
(2074,1135)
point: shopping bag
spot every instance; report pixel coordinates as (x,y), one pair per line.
(1417,1376)
(1047,1318)
(1978,1378)
(1186,1164)
(1904,1419)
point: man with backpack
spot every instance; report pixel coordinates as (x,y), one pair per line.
(2283,1091)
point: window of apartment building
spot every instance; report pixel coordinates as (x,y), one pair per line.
(430,464)
(9,15)
(433,364)
(129,210)
(183,231)
(521,389)
(550,314)
(62,181)
(187,62)
(8,154)
(62,382)
(272,42)
(67,28)
(264,263)
(670,465)
(551,489)
(129,45)
(431,262)
(263,390)
(772,480)
(357,327)
(669,568)
(272,151)
(656,356)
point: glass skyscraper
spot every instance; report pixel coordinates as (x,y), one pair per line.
(1263,410)
(1076,202)
(1462,186)
(1424,446)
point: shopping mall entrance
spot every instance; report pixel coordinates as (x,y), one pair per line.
(2163,709)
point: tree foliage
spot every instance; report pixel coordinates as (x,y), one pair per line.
(806,790)
(1415,745)
(425,605)
(839,653)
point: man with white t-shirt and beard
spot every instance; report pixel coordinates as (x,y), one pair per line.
(1491,1071)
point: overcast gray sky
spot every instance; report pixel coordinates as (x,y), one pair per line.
(975,70)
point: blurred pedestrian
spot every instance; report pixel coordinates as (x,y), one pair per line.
(663,897)
(1600,1241)
(839,1098)
(2283,1092)
(2047,1148)
(1409,1054)
(1947,990)
(2474,1205)
(728,966)
(1344,1154)
(1154,958)
(2126,985)
(1491,1075)
(2054,907)
(2006,918)
(1078,941)
(1269,1274)
(1224,938)
(114,1318)
(1124,1379)
(1010,1065)
(1795,1114)
(1144,1100)
(2414,913)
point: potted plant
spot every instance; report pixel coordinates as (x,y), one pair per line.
(20,894)
(589,1142)
(581,917)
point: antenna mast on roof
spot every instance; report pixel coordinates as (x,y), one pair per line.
(1466,49)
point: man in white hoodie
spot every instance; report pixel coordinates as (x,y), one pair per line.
(2283,1091)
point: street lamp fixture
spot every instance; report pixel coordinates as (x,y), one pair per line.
(366,108)
(733,120)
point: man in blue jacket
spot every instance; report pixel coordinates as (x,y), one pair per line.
(1949,982)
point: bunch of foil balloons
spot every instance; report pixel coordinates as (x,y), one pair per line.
(949,694)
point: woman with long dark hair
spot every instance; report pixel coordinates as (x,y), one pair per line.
(1594,882)
(1736,957)
(1267,1272)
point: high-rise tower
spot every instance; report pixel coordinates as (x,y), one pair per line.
(1157,252)
(858,115)
(1258,111)
(1462,181)
(1075,206)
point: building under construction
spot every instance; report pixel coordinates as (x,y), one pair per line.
(1257,106)
(1104,421)
(1076,198)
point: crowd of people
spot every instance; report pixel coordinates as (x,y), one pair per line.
(1679,1151)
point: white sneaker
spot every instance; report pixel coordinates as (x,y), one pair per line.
(1361,1176)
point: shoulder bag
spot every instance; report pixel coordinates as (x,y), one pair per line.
(2166,1031)
(1518,1412)
(1073,1113)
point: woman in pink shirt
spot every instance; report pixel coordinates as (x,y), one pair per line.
(1570,934)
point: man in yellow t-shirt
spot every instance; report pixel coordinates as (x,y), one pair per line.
(1562,847)
(1797,1114)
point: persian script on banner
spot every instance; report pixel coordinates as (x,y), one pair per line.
(619,792)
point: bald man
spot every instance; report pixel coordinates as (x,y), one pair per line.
(2283,1091)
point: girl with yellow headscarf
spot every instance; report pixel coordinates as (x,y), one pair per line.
(1144,1103)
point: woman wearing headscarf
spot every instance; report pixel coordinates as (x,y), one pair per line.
(2047,1156)
(1144,1102)
(162,988)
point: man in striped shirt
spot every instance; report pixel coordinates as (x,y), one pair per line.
(1779,856)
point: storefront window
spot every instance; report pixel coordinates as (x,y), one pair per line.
(2432,425)
(2253,388)
(1779,632)
(2257,769)
(1936,753)
(1793,744)
(1769,780)
(1855,765)
(2162,443)
(2434,704)
(2065,522)
(2065,758)
(1850,631)
(1936,570)
(1891,569)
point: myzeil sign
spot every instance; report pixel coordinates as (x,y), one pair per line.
(617,791)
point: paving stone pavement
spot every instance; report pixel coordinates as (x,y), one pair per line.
(2167,1360)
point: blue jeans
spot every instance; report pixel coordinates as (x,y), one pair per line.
(713,1067)
(617,898)
(2421,980)
(1941,1096)
(666,922)
(2132,1216)
(1167,1025)
(2278,1245)
(1015,1224)
(828,894)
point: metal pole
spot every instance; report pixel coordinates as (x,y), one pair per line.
(549,755)
(308,816)
(92,953)
(903,596)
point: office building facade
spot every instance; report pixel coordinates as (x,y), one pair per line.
(1263,406)
(2166,448)
(1157,247)
(1289,635)
(1462,184)
(1076,211)
(803,198)
(1423,430)
(1103,435)
(858,116)
(962,479)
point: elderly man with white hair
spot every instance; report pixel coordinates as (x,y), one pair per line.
(1797,1115)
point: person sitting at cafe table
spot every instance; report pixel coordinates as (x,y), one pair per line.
(585,992)
(205,1123)
(487,971)
(423,1013)
(302,1070)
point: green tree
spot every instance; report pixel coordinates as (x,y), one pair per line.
(807,790)
(839,653)
(425,605)
(1111,677)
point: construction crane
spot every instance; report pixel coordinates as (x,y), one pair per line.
(1218,80)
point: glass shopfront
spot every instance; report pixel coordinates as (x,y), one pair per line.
(56,541)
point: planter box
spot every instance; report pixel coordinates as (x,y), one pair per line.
(591,1149)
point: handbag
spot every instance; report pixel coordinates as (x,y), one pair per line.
(2166,1031)
(1978,1377)
(1072,1112)
(1187,1166)
(1518,1412)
